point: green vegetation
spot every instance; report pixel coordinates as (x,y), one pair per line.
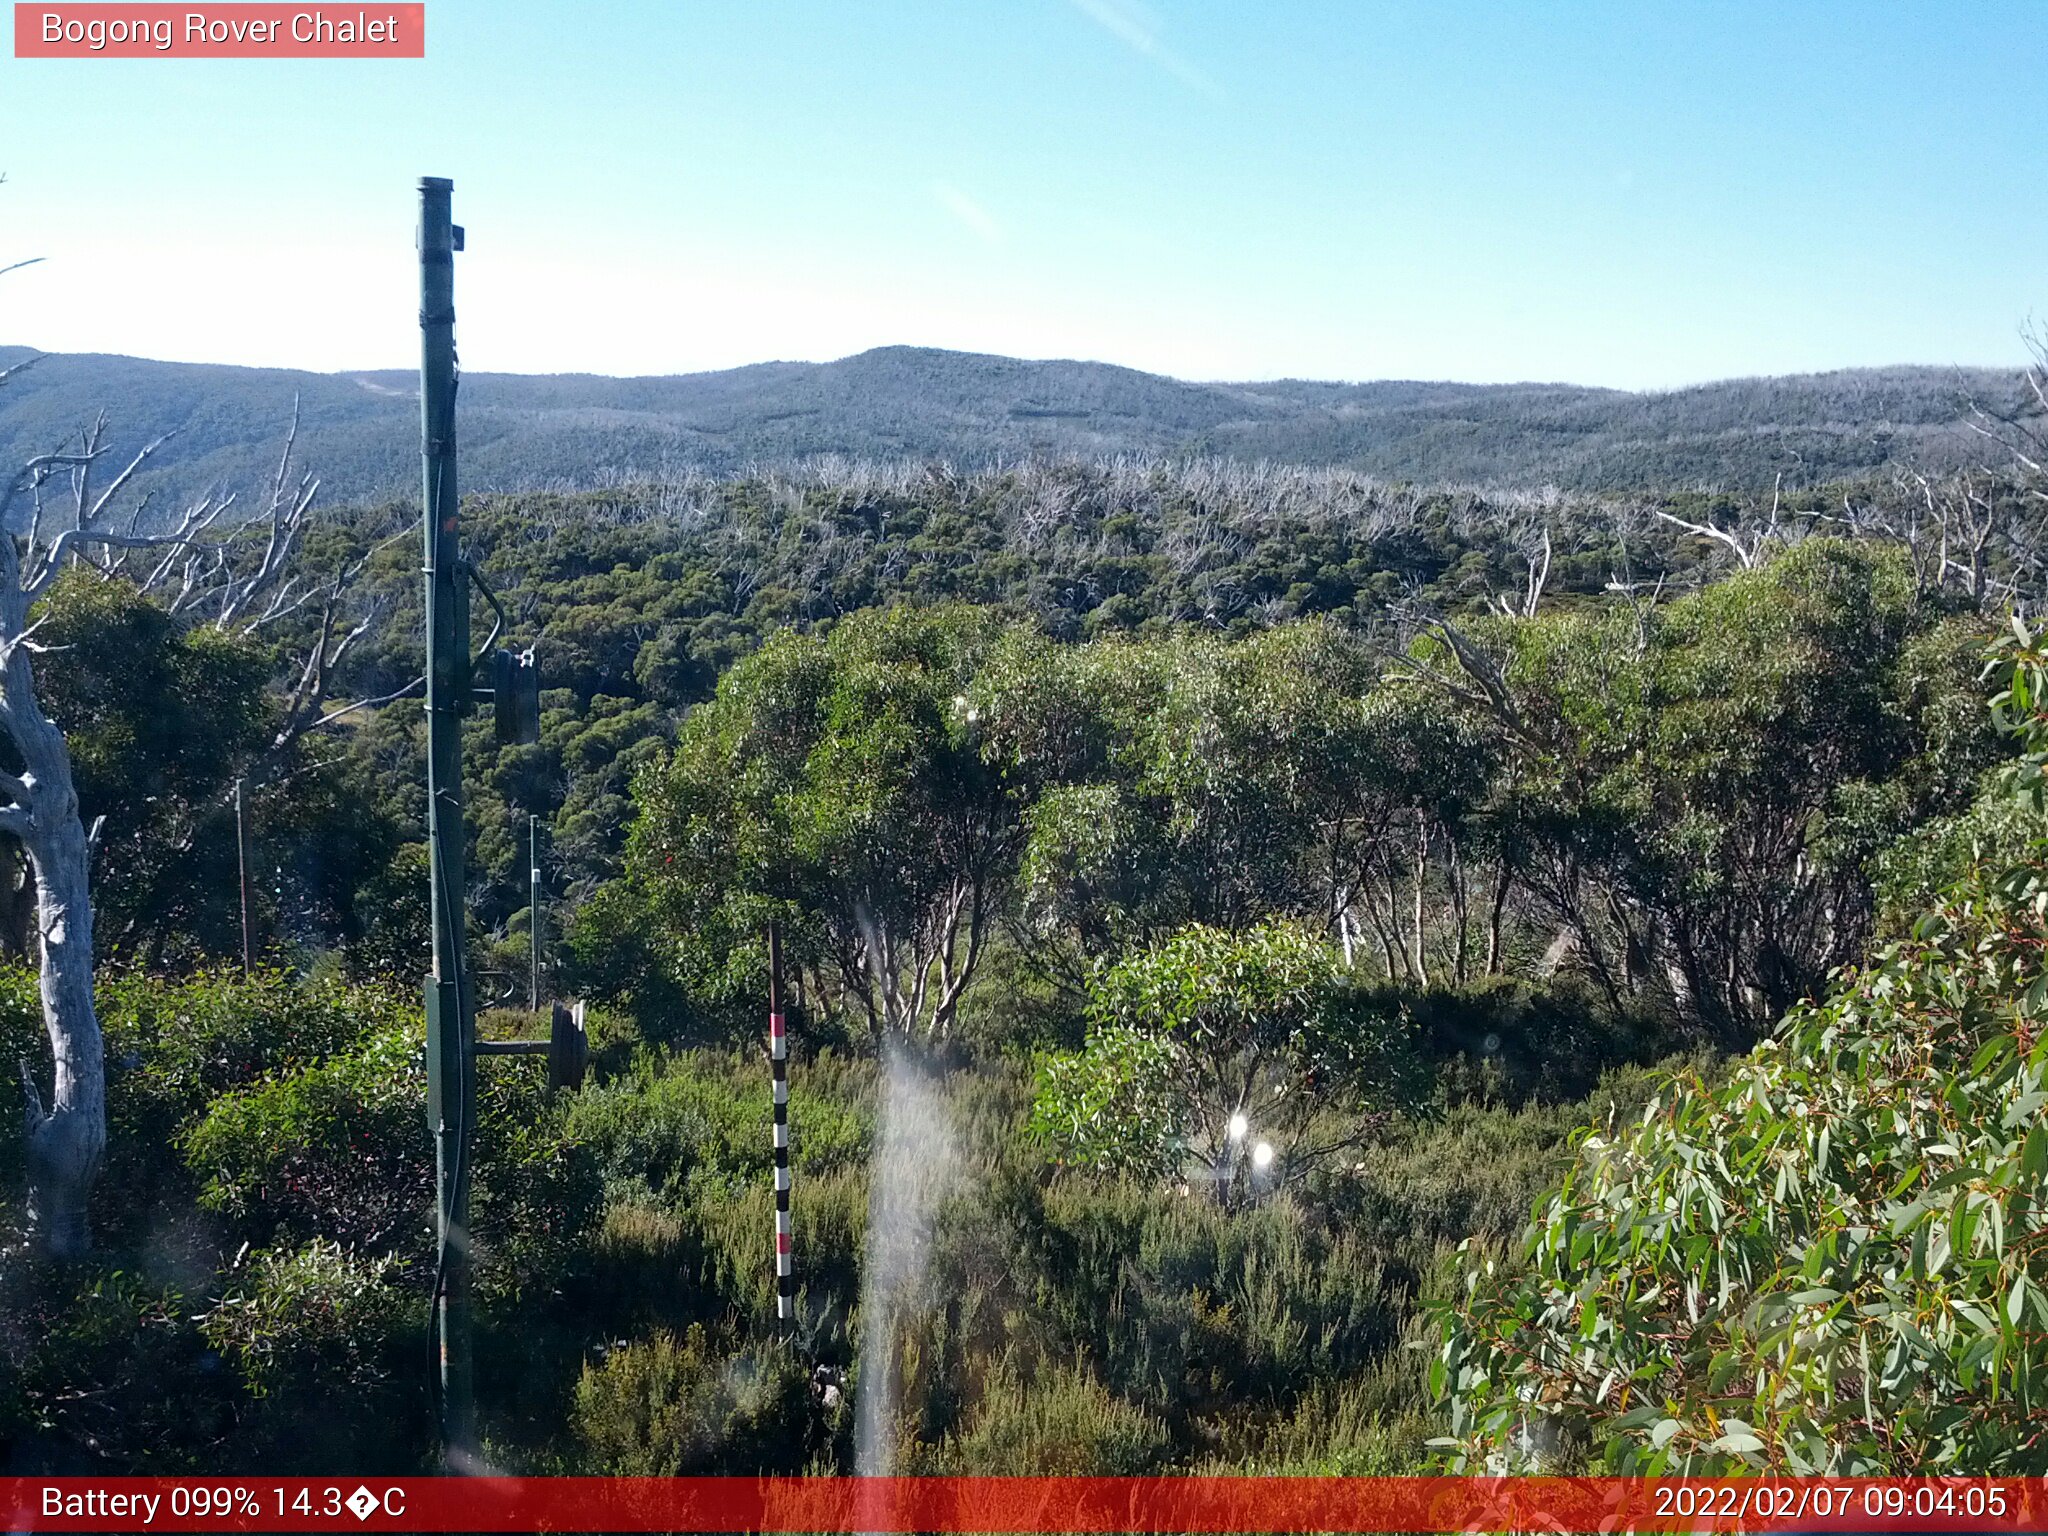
(1203,1048)
(1486,854)
(1681,804)
(1833,1259)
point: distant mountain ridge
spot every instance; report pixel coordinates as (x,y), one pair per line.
(359,431)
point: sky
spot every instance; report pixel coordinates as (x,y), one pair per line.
(1640,195)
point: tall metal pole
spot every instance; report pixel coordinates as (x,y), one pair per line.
(242,871)
(533,910)
(451,1018)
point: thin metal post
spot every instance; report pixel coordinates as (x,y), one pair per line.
(778,1059)
(451,1016)
(533,917)
(242,873)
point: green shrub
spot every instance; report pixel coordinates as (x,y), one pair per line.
(317,1311)
(1373,1425)
(203,1034)
(340,1151)
(1473,1172)
(707,1116)
(1209,1025)
(172,1046)
(102,1367)
(537,1196)
(1056,1421)
(329,1347)
(736,1264)
(683,1145)
(1994,832)
(1185,1307)
(668,1407)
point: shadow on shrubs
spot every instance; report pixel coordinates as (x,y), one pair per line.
(1515,1043)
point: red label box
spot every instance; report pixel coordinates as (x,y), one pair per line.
(231,31)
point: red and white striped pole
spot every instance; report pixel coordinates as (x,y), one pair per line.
(778,1058)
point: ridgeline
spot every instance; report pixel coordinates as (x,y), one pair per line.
(359,431)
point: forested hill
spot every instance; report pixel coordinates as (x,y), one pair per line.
(563,431)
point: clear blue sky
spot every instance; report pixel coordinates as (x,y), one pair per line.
(1640,194)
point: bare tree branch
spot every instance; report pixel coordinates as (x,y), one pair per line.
(72,538)
(348,709)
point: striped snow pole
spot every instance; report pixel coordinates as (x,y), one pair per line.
(778,1058)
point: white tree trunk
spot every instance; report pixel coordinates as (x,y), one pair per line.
(67,1136)
(66,1139)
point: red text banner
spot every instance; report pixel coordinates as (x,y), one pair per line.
(220,31)
(1026,1504)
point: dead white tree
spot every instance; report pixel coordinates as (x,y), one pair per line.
(1531,540)
(1641,593)
(2020,429)
(1747,545)
(1965,510)
(2019,506)
(251,579)
(67,1134)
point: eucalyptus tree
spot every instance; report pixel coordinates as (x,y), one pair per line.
(1831,1261)
(1243,1059)
(1700,789)
(1185,779)
(838,783)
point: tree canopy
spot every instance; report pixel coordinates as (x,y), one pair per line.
(838,782)
(1213,1045)
(1830,1262)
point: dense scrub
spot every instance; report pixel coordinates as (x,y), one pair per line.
(259,1300)
(1830,1261)
(1680,803)
(642,598)
(1126,803)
